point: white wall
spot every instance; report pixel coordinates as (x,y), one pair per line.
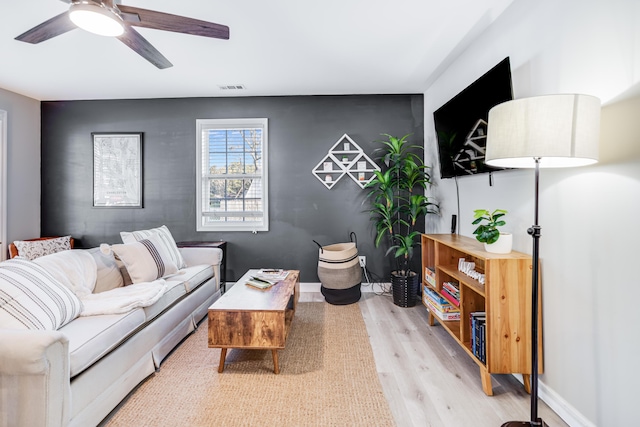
(23,164)
(589,238)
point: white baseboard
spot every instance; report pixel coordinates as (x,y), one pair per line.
(564,409)
(309,287)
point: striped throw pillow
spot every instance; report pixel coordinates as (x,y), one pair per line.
(165,238)
(30,298)
(146,260)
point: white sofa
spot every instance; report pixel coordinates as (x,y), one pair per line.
(78,374)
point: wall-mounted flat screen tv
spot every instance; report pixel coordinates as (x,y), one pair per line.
(461,123)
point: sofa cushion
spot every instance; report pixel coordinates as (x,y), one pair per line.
(33,249)
(108,273)
(175,290)
(146,260)
(90,338)
(191,277)
(31,298)
(165,237)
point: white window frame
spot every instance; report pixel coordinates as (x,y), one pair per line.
(202,178)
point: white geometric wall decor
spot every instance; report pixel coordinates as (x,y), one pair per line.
(345,157)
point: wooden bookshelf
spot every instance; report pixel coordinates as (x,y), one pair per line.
(505,297)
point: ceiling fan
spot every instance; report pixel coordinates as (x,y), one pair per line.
(109,18)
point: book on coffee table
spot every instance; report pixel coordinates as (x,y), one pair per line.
(272,274)
(260,283)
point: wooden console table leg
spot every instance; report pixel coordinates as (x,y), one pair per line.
(276,368)
(526,379)
(223,355)
(430,319)
(485,376)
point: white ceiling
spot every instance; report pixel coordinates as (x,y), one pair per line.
(277,47)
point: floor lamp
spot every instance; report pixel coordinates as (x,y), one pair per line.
(542,132)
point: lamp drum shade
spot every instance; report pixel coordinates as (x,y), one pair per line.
(558,130)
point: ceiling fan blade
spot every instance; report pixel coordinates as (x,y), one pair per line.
(175,23)
(55,26)
(142,47)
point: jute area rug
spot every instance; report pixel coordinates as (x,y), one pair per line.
(327,378)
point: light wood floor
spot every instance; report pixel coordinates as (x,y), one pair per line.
(428,380)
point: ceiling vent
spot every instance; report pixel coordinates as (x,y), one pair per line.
(232,87)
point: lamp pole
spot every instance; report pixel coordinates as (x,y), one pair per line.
(534,232)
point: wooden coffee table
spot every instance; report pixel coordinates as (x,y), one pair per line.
(251,318)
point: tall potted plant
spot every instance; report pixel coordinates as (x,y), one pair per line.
(398,204)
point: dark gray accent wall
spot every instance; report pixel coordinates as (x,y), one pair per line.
(301,131)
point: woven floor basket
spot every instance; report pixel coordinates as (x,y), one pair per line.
(340,273)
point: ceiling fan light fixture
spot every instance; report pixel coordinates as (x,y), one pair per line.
(96,18)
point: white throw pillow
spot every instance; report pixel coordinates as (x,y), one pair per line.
(30,298)
(107,271)
(146,260)
(75,268)
(37,248)
(165,237)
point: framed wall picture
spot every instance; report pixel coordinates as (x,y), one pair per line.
(117,169)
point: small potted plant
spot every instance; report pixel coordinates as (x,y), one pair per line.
(488,233)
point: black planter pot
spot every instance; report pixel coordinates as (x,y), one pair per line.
(405,289)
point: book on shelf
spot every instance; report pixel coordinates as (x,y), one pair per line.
(472,323)
(476,334)
(474,314)
(453,288)
(445,306)
(449,308)
(483,347)
(480,336)
(430,276)
(442,315)
(452,299)
(435,297)
(478,321)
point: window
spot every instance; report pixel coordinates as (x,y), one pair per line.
(232,175)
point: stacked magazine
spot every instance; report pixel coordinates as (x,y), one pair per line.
(265,278)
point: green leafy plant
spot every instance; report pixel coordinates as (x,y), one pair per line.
(398,200)
(488,233)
